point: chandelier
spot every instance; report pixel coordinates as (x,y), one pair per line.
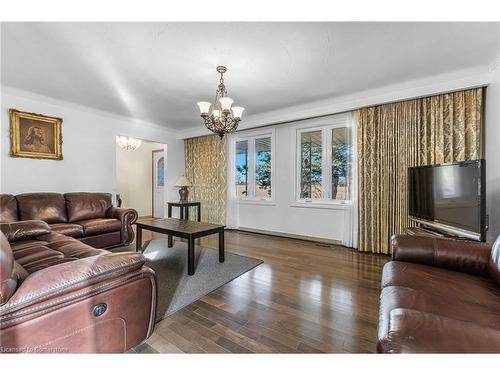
(220,118)
(128,143)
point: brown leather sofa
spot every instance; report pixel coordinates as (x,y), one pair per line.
(90,217)
(440,296)
(59,295)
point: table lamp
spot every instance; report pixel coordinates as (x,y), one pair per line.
(183,183)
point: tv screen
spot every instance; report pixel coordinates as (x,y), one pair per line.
(451,194)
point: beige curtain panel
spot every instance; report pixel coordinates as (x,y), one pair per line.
(206,165)
(392,137)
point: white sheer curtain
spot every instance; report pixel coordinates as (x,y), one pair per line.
(350,235)
(232,221)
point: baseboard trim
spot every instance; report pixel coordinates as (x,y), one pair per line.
(290,235)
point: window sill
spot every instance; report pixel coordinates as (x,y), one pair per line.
(259,202)
(322,205)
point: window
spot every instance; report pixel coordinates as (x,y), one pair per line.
(324,163)
(253,167)
(160,172)
(242,168)
(263,167)
(341,163)
(311,151)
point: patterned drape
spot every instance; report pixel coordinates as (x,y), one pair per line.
(392,137)
(206,166)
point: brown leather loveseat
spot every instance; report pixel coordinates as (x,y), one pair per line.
(440,296)
(90,217)
(60,295)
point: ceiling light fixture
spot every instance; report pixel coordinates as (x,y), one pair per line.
(128,143)
(222,118)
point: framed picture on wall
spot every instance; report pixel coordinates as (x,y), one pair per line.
(35,136)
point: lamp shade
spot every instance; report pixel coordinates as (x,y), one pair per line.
(237,112)
(225,103)
(204,107)
(182,181)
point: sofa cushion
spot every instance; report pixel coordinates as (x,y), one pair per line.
(494,263)
(98,226)
(412,331)
(442,282)
(8,283)
(83,206)
(70,247)
(49,207)
(37,257)
(19,273)
(68,229)
(24,230)
(8,208)
(394,297)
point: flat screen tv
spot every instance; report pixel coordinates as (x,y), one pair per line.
(450,197)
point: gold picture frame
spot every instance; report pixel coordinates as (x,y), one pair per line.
(35,136)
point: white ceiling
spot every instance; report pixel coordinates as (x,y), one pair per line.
(158,71)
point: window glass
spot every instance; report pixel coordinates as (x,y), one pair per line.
(160,172)
(341,166)
(263,167)
(311,165)
(242,168)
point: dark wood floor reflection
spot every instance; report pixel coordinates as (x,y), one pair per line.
(306,298)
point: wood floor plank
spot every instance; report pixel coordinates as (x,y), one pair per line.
(306,297)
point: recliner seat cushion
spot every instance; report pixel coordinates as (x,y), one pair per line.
(51,249)
(442,282)
(84,206)
(37,257)
(49,207)
(8,208)
(68,229)
(93,227)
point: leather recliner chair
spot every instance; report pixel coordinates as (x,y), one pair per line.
(58,294)
(440,296)
(89,217)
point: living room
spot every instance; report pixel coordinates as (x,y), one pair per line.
(262,187)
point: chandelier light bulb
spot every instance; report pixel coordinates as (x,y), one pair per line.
(129,143)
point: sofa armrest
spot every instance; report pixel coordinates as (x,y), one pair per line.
(127,216)
(412,331)
(68,277)
(457,255)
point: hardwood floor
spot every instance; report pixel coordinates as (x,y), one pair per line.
(306,298)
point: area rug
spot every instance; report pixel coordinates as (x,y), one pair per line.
(175,288)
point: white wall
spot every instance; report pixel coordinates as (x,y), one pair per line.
(492,148)
(135,188)
(452,81)
(284,214)
(330,223)
(89,154)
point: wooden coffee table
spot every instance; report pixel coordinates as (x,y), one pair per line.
(188,229)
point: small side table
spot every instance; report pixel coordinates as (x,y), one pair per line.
(184,212)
